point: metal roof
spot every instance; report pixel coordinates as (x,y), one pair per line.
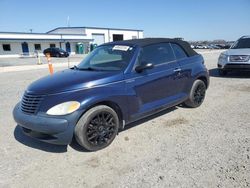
(93,28)
(41,36)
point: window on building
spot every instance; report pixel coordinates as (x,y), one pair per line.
(6,47)
(52,45)
(117,37)
(37,46)
(179,52)
(157,54)
(134,37)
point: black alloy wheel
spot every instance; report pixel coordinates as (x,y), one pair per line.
(199,94)
(97,128)
(101,129)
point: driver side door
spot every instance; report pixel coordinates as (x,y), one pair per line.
(156,87)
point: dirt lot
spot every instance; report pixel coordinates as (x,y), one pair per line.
(180,147)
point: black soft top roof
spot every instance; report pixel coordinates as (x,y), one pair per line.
(148,41)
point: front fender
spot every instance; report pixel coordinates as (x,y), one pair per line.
(116,97)
(114,92)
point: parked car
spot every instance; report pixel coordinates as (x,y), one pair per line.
(236,58)
(199,46)
(227,46)
(56,52)
(219,46)
(213,46)
(116,84)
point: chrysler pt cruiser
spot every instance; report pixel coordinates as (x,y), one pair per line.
(118,83)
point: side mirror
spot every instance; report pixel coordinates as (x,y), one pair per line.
(144,66)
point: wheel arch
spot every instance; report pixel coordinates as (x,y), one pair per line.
(204,79)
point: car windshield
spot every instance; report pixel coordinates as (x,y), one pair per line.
(241,43)
(108,58)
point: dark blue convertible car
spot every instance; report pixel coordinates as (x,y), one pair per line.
(118,83)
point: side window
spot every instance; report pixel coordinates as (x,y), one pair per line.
(179,52)
(157,54)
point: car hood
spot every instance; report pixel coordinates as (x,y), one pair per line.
(68,80)
(243,51)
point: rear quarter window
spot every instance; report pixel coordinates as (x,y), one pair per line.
(178,51)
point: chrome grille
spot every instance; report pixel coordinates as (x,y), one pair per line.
(30,103)
(239,58)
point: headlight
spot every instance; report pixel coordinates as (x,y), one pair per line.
(223,57)
(64,108)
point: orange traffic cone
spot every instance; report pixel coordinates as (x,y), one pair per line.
(51,70)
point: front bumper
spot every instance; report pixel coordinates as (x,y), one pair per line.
(50,129)
(235,66)
(225,64)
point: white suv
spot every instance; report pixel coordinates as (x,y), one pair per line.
(236,58)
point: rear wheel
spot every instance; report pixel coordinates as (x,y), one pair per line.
(197,94)
(97,128)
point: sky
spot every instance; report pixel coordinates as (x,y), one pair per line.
(189,19)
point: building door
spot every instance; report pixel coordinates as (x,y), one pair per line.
(68,49)
(25,48)
(98,38)
(117,37)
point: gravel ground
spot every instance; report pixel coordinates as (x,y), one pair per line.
(180,147)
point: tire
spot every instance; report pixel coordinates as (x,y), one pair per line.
(197,94)
(222,72)
(97,128)
(57,55)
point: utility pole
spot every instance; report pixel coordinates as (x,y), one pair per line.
(68,23)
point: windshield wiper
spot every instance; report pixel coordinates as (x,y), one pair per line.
(85,68)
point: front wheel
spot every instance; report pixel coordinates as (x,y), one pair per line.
(97,128)
(197,94)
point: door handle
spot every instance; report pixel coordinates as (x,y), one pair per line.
(177,70)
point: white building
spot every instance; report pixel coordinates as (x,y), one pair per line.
(72,39)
